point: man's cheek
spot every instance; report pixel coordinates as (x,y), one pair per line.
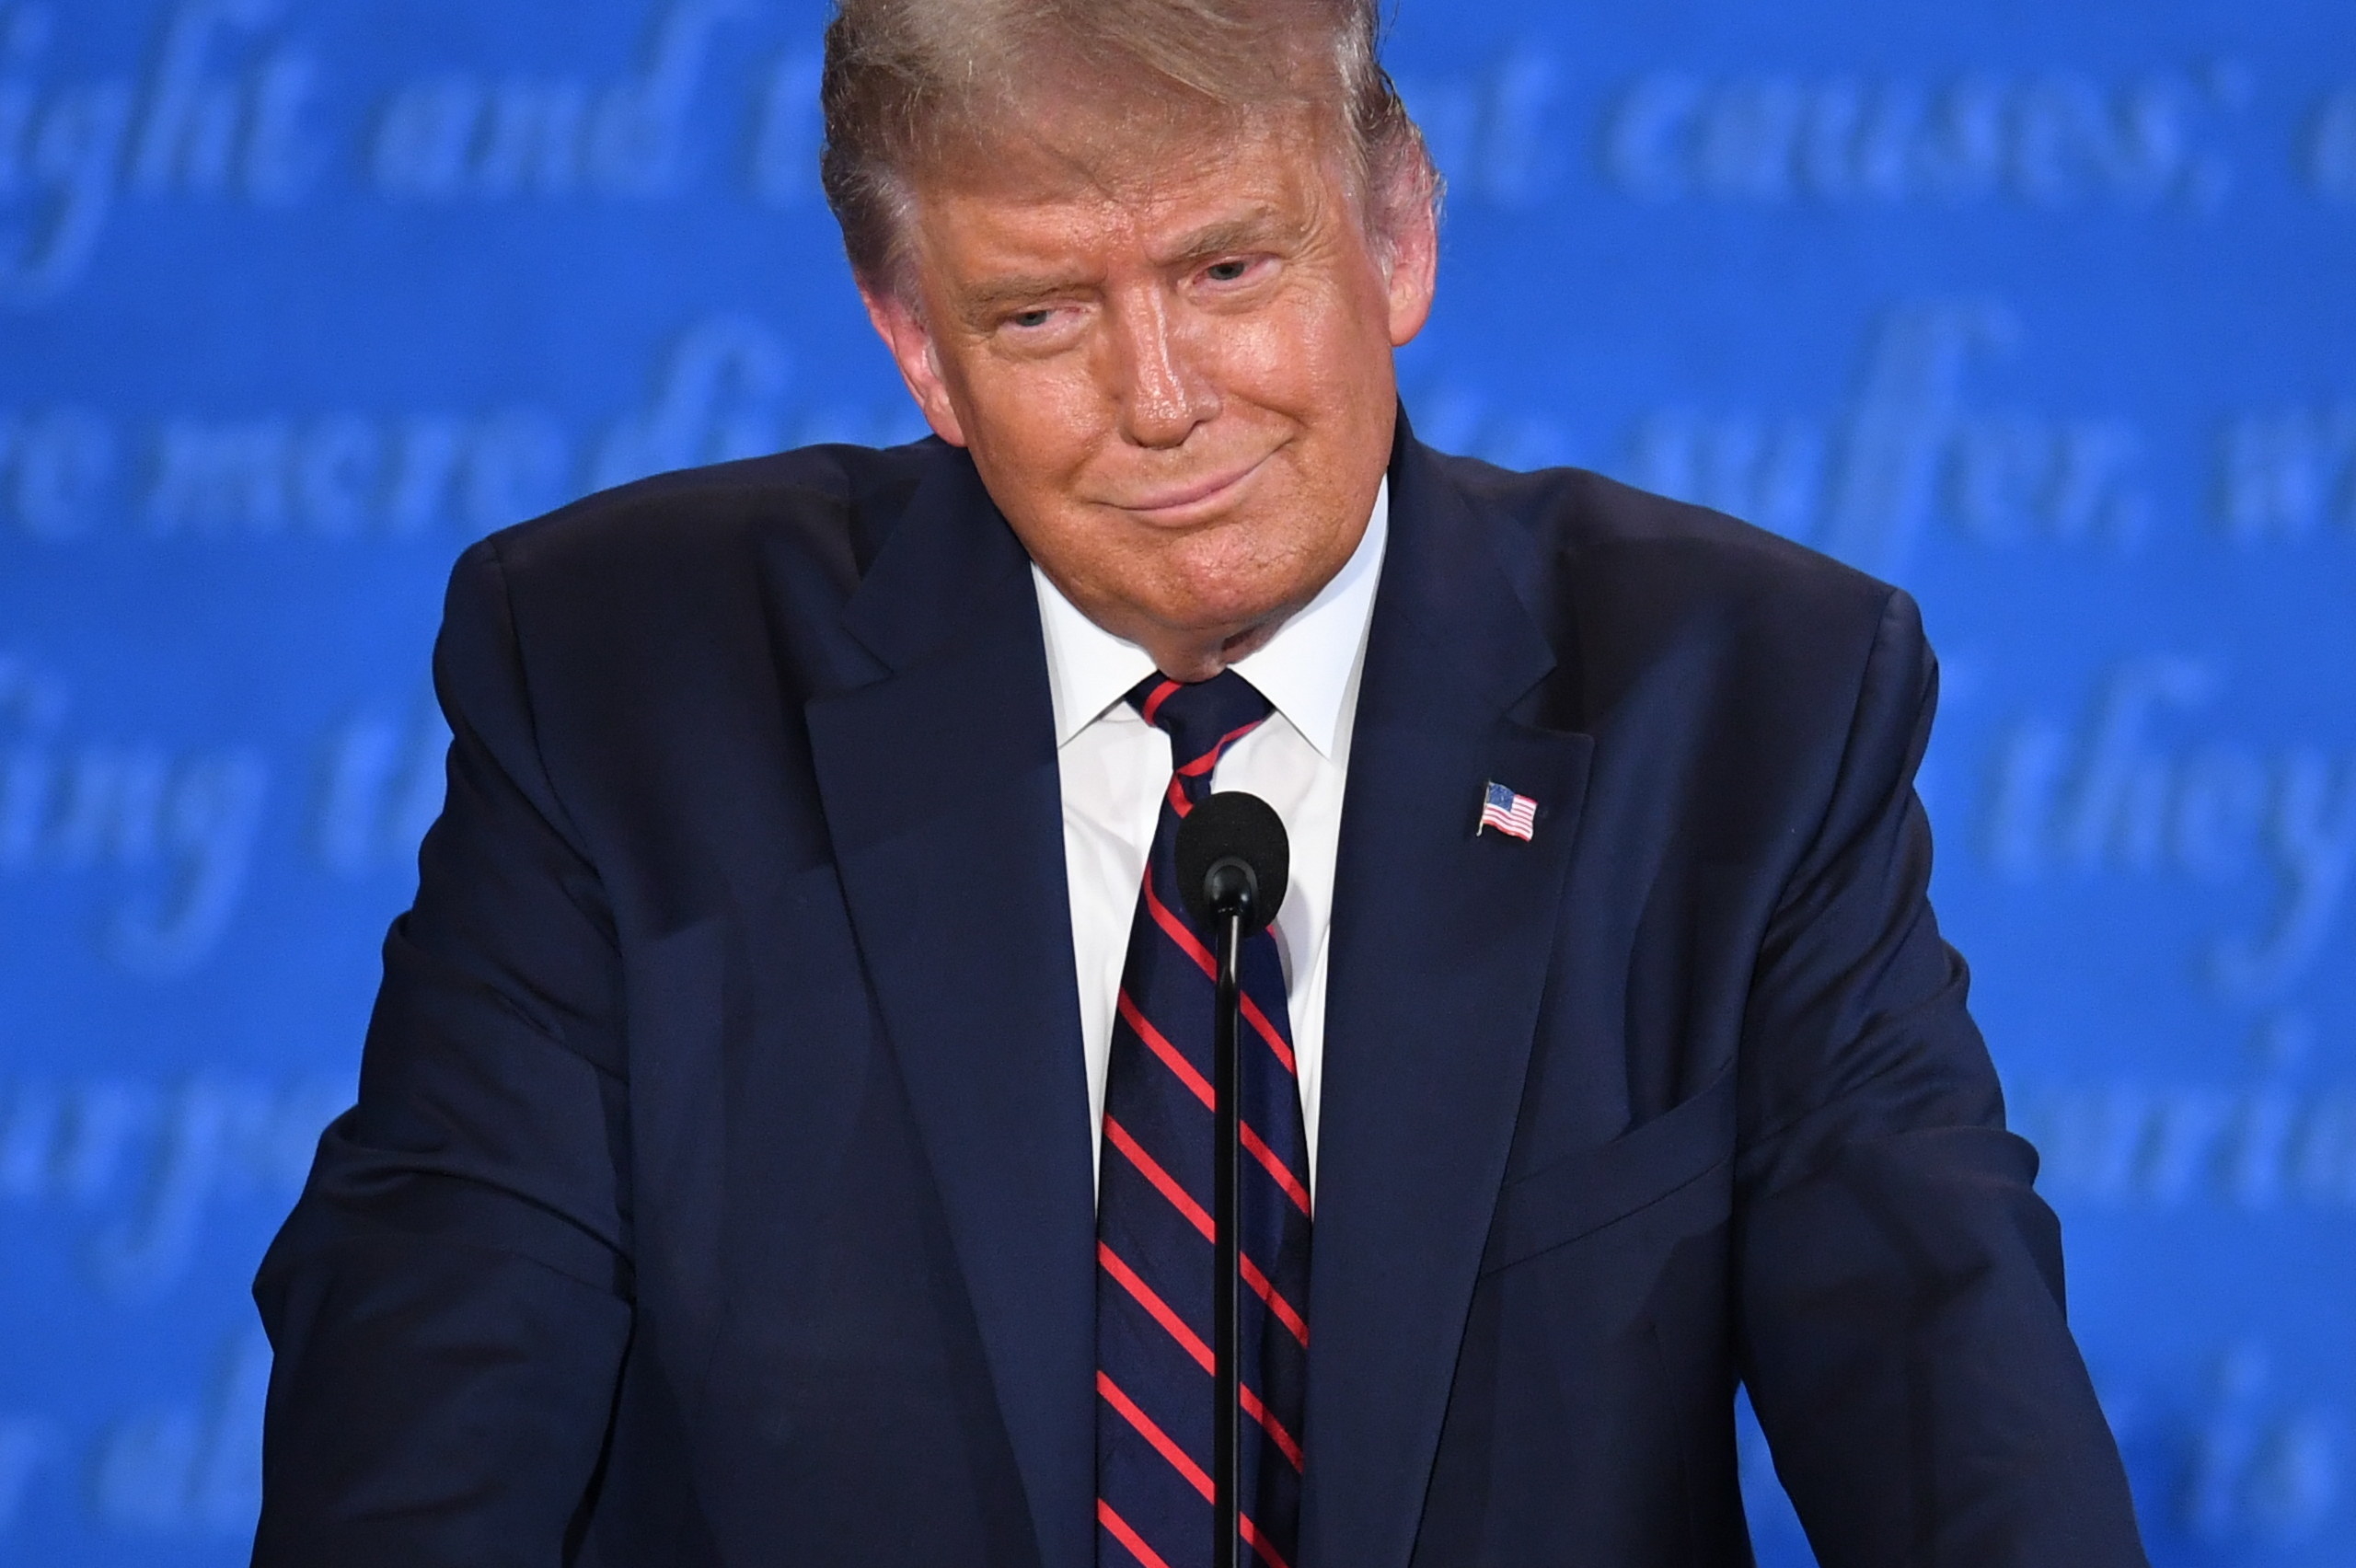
(1051,405)
(1283,358)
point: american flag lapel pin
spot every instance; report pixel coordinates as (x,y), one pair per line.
(1507,813)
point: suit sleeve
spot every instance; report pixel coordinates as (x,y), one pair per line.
(449,1302)
(1899,1282)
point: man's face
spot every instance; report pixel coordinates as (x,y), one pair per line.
(1178,388)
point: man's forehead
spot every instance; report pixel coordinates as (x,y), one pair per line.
(1161,230)
(1167,212)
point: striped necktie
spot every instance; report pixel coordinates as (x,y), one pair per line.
(1155,1278)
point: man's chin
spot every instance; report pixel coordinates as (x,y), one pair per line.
(1227,628)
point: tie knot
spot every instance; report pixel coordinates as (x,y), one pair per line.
(1201,719)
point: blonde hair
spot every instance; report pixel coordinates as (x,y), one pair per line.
(911,85)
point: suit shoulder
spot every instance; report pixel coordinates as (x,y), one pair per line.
(1654,606)
(1622,538)
(816,509)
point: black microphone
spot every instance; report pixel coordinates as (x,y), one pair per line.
(1232,859)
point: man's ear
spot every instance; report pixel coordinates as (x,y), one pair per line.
(903,332)
(1415,272)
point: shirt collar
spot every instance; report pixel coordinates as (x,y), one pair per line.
(1304,669)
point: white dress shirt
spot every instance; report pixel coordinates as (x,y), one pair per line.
(1115,768)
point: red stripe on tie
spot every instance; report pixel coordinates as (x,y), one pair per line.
(1196,1475)
(1269,1032)
(1158,695)
(1271,1425)
(1178,801)
(1260,1544)
(1155,1173)
(1276,1304)
(1143,1295)
(1176,930)
(1210,759)
(1122,1530)
(1127,1536)
(1167,1185)
(1274,1166)
(1165,1182)
(1158,1043)
(1192,945)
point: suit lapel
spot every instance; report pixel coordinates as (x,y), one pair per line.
(940,788)
(1440,946)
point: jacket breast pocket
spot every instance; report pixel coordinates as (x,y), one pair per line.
(1687,1152)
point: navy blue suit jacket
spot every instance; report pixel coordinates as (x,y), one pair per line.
(718,1188)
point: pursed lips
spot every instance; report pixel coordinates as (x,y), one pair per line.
(1174,500)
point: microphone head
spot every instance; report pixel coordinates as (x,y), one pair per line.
(1233,853)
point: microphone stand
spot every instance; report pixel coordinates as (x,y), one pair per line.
(1232,855)
(1227,1077)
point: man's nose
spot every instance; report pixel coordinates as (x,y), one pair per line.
(1163,389)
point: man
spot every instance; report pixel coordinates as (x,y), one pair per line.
(782,1135)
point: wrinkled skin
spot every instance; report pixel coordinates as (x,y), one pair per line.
(1176,382)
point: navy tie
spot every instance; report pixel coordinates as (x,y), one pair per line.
(1155,1278)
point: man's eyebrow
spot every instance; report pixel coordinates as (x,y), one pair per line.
(1243,233)
(1014,289)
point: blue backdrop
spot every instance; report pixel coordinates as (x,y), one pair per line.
(2044,308)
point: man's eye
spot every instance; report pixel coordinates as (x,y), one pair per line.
(1227,271)
(1030,319)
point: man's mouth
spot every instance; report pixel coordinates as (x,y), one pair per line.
(1186,501)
